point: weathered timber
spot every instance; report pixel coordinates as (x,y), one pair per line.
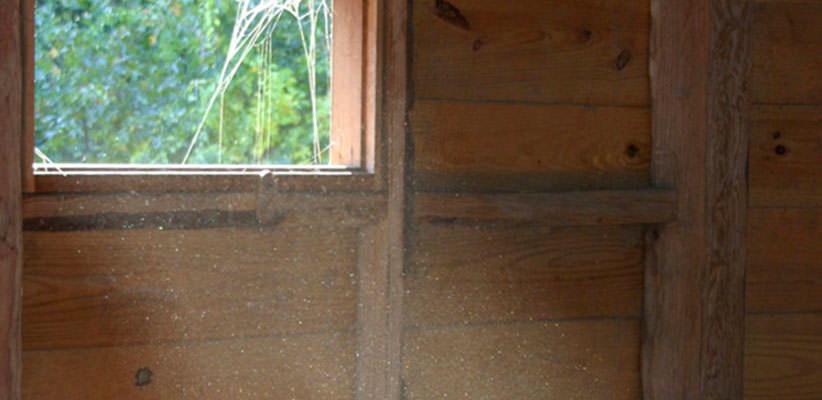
(395,92)
(782,354)
(784,272)
(372,313)
(569,208)
(596,359)
(11,134)
(109,288)
(487,273)
(527,147)
(578,52)
(205,181)
(787,41)
(311,366)
(693,317)
(785,156)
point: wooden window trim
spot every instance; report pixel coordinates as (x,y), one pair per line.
(355,144)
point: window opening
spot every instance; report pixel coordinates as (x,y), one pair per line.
(185,82)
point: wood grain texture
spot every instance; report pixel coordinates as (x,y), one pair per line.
(11,133)
(580,52)
(694,281)
(201,210)
(347,102)
(154,183)
(27,142)
(396,100)
(785,156)
(317,366)
(557,209)
(464,274)
(722,287)
(331,209)
(372,314)
(109,288)
(68,205)
(787,53)
(784,272)
(499,147)
(782,357)
(595,359)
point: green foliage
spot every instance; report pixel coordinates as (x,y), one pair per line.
(128,81)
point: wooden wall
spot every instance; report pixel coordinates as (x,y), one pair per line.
(220,299)
(783,341)
(525,96)
(220,303)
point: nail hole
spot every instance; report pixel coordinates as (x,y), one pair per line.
(143,376)
(623,59)
(780,150)
(631,151)
(478,44)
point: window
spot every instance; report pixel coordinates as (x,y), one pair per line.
(232,84)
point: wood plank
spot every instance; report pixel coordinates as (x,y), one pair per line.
(782,354)
(581,52)
(304,367)
(609,207)
(372,315)
(501,147)
(787,53)
(326,209)
(107,288)
(462,274)
(784,272)
(27,143)
(396,95)
(145,183)
(693,317)
(595,359)
(66,212)
(11,133)
(372,98)
(66,205)
(785,155)
(348,93)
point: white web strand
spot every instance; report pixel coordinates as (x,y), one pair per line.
(253,19)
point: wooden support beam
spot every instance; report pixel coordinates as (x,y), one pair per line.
(395,120)
(11,126)
(693,317)
(608,207)
(27,143)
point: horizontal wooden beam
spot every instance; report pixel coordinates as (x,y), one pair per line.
(608,207)
(199,210)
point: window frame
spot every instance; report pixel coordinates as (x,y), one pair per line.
(354,122)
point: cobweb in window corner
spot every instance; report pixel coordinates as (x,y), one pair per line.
(253,24)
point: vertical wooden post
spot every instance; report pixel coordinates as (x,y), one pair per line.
(27,151)
(11,125)
(395,119)
(693,318)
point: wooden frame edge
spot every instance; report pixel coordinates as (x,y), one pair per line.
(11,244)
(693,306)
